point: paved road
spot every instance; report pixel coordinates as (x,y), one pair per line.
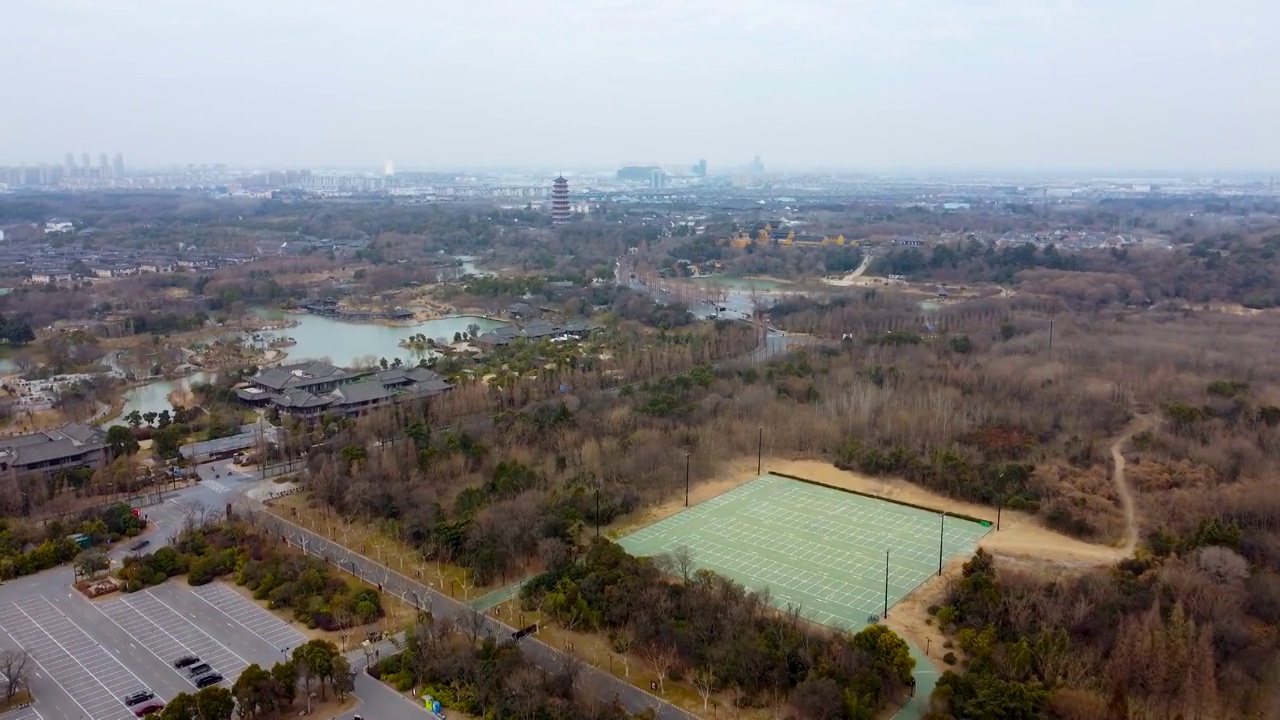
(594,681)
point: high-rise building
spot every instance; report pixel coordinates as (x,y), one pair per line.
(657,179)
(560,211)
(117,168)
(71,163)
(85,164)
(757,167)
(388,168)
(104,166)
(700,168)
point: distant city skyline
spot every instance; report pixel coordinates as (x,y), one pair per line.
(1055,85)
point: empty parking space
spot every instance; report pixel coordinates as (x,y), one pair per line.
(169,635)
(250,616)
(95,680)
(26,713)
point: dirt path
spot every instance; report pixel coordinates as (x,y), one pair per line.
(1139,424)
(862,267)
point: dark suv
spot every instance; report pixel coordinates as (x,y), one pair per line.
(208,679)
(186,661)
(199,670)
(139,697)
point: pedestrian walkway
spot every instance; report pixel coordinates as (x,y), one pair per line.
(926,676)
(489,601)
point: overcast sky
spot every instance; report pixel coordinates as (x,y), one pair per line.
(854,84)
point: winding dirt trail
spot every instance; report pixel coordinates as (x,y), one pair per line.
(1139,424)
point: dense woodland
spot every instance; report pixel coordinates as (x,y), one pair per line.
(708,629)
(486,678)
(1226,268)
(989,414)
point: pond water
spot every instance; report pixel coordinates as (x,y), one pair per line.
(340,342)
(745,284)
(469,266)
(346,344)
(154,396)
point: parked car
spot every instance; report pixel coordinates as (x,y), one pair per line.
(149,708)
(139,545)
(139,697)
(199,670)
(186,661)
(208,679)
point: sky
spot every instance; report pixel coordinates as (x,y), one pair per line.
(873,85)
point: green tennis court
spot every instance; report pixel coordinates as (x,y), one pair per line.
(814,547)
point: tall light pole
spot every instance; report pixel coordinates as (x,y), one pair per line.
(941,534)
(686,478)
(886,583)
(598,508)
(760,451)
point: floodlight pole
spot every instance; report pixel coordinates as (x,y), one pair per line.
(999,509)
(597,509)
(760,451)
(886,583)
(686,479)
(941,534)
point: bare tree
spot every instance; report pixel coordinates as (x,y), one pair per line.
(683,558)
(624,641)
(570,667)
(13,666)
(662,657)
(345,621)
(192,512)
(473,622)
(704,679)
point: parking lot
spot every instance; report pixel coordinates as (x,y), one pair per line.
(87,673)
(250,616)
(169,635)
(26,713)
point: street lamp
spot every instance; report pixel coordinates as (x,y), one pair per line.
(686,478)
(942,533)
(760,451)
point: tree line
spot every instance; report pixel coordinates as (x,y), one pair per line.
(708,629)
(26,549)
(205,551)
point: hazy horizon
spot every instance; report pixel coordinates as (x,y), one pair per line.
(996,87)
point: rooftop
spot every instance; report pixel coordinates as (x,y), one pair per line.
(67,441)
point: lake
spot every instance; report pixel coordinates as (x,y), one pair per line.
(339,342)
(342,342)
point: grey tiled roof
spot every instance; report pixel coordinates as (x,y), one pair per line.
(68,441)
(300,375)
